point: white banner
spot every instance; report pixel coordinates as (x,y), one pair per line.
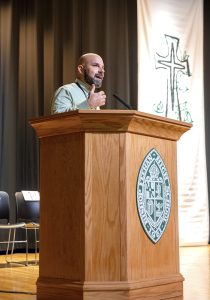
(170,84)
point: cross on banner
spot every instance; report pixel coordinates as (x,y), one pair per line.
(173,64)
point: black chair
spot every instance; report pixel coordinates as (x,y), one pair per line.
(5,217)
(28,212)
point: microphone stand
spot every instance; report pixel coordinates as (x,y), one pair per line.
(123,102)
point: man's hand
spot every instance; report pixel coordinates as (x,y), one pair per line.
(96,99)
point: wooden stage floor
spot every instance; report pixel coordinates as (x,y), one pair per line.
(19,282)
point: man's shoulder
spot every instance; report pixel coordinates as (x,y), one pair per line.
(68,86)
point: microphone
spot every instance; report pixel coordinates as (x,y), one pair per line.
(123,102)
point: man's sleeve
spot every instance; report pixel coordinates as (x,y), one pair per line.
(62,101)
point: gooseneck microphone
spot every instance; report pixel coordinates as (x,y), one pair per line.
(123,102)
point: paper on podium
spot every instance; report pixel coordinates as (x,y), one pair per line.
(31,195)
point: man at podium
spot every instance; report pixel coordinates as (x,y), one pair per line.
(82,94)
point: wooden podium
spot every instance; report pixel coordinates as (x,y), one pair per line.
(93,246)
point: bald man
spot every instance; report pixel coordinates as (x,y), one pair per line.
(82,94)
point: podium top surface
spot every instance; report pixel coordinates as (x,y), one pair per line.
(109,121)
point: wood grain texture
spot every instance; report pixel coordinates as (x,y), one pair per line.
(92,243)
(109,121)
(16,280)
(104,246)
(145,259)
(162,288)
(62,206)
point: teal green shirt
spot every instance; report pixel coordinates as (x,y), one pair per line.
(71,97)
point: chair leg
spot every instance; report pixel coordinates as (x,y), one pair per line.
(8,244)
(13,243)
(12,240)
(35,236)
(26,246)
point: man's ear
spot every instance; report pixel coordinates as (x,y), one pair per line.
(80,69)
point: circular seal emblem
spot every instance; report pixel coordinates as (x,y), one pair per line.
(153,195)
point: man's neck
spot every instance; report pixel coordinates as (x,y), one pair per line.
(84,84)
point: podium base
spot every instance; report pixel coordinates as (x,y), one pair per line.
(170,287)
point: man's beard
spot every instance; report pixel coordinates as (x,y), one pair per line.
(89,80)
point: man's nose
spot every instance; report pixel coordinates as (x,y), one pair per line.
(101,70)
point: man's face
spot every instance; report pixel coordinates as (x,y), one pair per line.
(93,70)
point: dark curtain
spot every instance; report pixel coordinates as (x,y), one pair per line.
(40,42)
(207,91)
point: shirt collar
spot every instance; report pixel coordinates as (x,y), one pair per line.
(85,86)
